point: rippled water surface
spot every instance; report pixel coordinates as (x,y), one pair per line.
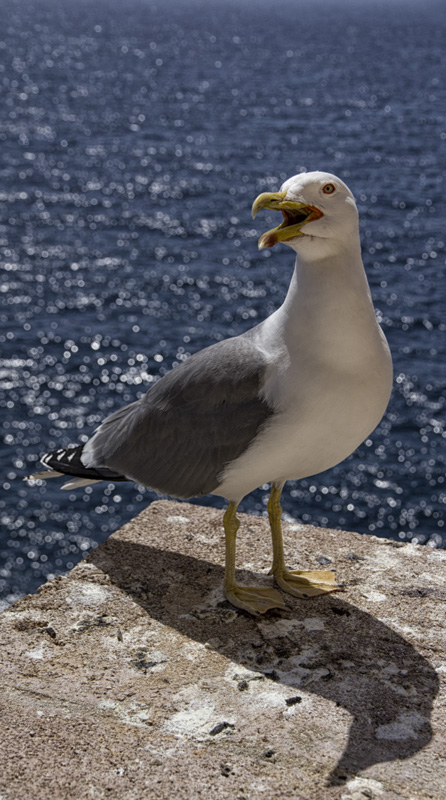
(133,140)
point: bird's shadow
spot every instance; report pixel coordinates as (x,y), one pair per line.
(354,660)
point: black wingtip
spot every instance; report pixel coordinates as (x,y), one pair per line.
(68,461)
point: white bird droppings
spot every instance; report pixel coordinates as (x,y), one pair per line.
(281,627)
(360,788)
(194,720)
(87,594)
(314,624)
(38,652)
(407,726)
(374,596)
(131,713)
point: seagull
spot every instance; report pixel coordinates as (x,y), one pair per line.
(287,399)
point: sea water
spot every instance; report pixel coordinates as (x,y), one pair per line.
(134,137)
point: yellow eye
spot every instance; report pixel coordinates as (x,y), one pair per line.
(329,188)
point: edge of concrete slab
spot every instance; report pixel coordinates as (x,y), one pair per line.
(133,674)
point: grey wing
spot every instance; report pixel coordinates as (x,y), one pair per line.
(197,419)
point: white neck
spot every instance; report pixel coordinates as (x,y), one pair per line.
(329,307)
(321,292)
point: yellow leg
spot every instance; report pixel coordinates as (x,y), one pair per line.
(250,598)
(300,583)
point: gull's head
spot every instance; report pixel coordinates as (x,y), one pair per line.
(319,214)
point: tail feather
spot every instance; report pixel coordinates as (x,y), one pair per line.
(68,462)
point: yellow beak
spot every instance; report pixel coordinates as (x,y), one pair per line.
(295,216)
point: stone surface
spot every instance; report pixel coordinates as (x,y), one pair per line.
(133,677)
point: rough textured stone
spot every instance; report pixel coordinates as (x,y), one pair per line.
(133,676)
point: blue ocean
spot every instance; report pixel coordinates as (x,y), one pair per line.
(134,137)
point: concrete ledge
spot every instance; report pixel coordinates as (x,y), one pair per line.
(133,677)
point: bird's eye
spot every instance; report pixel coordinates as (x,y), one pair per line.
(329,188)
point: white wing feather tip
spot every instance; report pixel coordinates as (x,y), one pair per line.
(43,475)
(76,483)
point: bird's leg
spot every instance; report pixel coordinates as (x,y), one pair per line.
(300,583)
(250,598)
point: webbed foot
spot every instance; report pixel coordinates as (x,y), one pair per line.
(254,599)
(305,583)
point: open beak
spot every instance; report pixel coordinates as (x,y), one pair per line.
(295,216)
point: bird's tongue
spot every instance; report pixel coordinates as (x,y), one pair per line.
(268,239)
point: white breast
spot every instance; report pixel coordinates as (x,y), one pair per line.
(329,381)
(313,434)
